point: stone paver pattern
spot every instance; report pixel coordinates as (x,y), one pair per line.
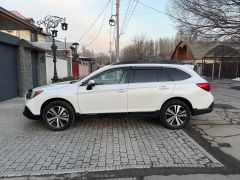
(92,144)
(221,127)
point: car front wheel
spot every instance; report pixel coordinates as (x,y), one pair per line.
(175,114)
(58,115)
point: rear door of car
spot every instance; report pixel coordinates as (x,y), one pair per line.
(148,88)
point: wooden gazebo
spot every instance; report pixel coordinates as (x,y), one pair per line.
(221,62)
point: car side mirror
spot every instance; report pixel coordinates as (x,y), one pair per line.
(91,84)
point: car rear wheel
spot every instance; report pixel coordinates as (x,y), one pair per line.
(175,114)
(58,115)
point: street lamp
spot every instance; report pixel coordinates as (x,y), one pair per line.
(52,22)
(74,48)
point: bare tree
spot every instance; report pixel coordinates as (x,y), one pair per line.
(215,19)
(86,52)
(141,48)
(102,58)
(164,47)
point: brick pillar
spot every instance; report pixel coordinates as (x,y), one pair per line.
(41,66)
(24,70)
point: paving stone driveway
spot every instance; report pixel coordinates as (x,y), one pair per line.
(92,144)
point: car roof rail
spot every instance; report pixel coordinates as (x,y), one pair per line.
(151,61)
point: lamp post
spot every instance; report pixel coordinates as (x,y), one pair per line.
(74,48)
(51,23)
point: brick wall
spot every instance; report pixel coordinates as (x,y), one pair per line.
(25,70)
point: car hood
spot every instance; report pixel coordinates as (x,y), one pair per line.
(54,86)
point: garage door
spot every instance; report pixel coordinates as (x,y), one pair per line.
(8,72)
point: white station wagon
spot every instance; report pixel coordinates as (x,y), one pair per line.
(173,91)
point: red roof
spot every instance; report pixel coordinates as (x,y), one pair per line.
(18,17)
(16,13)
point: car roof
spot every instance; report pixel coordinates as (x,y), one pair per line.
(150,65)
(151,62)
(186,67)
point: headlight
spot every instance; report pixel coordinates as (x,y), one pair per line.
(31,94)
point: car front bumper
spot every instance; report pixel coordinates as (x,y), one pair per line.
(203,111)
(27,113)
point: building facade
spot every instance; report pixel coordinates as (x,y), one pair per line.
(22,65)
(213,59)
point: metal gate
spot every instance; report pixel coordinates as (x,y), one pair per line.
(8,72)
(75,69)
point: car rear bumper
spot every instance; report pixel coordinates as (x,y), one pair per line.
(203,111)
(29,114)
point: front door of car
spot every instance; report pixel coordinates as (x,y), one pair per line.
(109,95)
(148,89)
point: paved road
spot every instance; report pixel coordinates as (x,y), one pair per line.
(154,177)
(121,146)
(221,127)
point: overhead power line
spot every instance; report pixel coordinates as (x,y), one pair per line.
(110,35)
(143,4)
(111,26)
(100,29)
(150,7)
(123,29)
(129,8)
(99,15)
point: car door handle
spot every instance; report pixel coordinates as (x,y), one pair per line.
(121,91)
(163,87)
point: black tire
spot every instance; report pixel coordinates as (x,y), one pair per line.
(62,111)
(175,114)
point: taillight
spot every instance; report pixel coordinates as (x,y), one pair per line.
(205,86)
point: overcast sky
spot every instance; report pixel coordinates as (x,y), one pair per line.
(80,15)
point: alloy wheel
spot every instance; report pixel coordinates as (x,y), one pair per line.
(57,117)
(176,115)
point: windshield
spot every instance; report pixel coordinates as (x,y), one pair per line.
(91,74)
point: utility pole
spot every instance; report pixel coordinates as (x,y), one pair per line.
(117,30)
(110,51)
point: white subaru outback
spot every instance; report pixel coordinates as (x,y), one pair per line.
(174,91)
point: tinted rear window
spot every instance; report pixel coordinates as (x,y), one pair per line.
(162,77)
(145,75)
(177,75)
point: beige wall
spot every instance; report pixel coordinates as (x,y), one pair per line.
(83,69)
(24,34)
(41,38)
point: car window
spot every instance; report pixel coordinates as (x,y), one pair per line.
(145,75)
(162,76)
(177,74)
(195,69)
(111,77)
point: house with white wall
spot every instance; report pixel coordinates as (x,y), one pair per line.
(66,65)
(63,59)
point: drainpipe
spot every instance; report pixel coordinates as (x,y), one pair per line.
(237,72)
(220,69)
(213,68)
